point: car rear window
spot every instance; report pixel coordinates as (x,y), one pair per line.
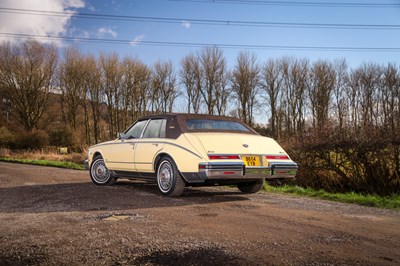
(214,125)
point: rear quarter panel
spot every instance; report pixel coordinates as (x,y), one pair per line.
(186,156)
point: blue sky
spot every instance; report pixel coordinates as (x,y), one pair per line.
(185,30)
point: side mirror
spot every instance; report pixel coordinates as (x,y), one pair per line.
(120,135)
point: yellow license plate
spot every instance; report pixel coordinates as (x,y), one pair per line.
(251,160)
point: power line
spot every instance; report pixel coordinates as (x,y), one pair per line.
(192,44)
(293,3)
(202,21)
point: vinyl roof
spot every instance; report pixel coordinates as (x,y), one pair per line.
(176,123)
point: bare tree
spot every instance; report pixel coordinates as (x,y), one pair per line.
(321,84)
(223,94)
(72,75)
(245,85)
(390,99)
(127,89)
(135,89)
(213,65)
(191,77)
(295,74)
(94,98)
(272,86)
(111,85)
(164,87)
(365,82)
(341,105)
(26,73)
(143,87)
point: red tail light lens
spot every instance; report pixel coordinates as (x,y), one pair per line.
(223,157)
(277,157)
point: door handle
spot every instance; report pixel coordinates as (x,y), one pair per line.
(155,144)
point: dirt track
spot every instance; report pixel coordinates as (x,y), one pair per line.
(53,216)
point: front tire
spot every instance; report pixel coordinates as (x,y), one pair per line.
(99,173)
(251,187)
(169,181)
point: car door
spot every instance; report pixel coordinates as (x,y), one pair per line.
(149,145)
(121,153)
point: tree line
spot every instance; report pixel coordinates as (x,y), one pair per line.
(324,109)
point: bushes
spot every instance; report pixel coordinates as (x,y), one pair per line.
(37,139)
(61,136)
(7,138)
(366,166)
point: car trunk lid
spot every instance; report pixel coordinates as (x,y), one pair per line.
(237,144)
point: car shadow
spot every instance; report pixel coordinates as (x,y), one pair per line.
(87,196)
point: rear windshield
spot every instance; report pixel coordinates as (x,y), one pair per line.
(214,125)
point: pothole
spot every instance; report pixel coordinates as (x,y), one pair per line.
(119,217)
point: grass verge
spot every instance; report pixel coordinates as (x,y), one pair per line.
(391,202)
(68,165)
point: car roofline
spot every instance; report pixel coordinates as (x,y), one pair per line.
(178,120)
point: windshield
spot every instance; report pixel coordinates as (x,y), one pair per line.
(214,125)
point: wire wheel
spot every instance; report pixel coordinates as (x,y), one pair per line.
(169,181)
(99,172)
(165,176)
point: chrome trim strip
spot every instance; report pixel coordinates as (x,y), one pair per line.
(119,162)
(155,142)
(282,165)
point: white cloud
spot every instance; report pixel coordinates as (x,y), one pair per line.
(136,40)
(79,33)
(42,25)
(90,7)
(103,31)
(186,24)
(71,3)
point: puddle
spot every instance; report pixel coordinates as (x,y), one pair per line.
(116,217)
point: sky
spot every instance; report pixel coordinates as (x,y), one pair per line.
(163,30)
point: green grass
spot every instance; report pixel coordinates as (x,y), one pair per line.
(391,202)
(68,165)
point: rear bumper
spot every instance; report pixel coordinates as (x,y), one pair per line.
(282,170)
(238,171)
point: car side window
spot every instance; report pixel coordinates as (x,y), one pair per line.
(163,128)
(155,129)
(136,130)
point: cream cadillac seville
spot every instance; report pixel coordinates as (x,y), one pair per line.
(179,150)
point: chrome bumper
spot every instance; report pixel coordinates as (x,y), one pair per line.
(86,163)
(221,170)
(275,170)
(239,171)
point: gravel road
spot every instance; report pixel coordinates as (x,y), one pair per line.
(52,216)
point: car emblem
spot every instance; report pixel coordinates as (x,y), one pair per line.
(245,145)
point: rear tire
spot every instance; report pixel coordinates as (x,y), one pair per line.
(251,187)
(169,180)
(100,174)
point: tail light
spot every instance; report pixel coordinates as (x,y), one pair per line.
(223,157)
(277,157)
